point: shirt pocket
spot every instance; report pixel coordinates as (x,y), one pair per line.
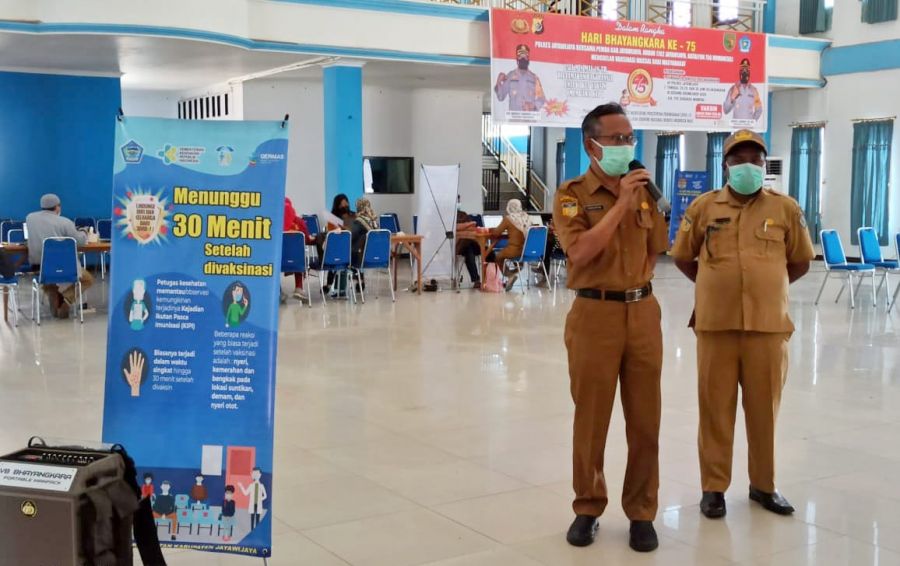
(770,241)
(644,219)
(721,241)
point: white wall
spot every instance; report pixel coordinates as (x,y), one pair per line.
(435,127)
(154,103)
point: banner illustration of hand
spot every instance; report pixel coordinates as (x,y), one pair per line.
(134,372)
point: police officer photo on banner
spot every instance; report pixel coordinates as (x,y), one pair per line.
(742,246)
(612,232)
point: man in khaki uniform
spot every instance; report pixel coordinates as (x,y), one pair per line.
(743,246)
(612,233)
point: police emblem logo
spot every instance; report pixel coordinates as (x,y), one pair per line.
(29,509)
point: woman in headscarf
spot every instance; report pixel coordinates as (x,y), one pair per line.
(364,221)
(515,224)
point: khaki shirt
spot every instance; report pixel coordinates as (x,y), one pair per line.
(743,251)
(625,264)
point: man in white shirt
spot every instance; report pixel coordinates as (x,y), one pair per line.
(48,223)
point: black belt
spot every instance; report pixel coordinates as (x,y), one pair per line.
(629,296)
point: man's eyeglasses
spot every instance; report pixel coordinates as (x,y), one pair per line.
(619,139)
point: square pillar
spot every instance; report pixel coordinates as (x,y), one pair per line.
(577,161)
(342,85)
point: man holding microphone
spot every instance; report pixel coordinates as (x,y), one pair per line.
(742,246)
(612,233)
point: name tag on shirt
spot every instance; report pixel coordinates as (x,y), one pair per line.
(590,207)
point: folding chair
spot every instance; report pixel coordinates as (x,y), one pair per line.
(390,221)
(871,254)
(293,256)
(533,252)
(336,258)
(376,256)
(59,265)
(836,261)
(6,226)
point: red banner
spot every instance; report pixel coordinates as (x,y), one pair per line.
(552,69)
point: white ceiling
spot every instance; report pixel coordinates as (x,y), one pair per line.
(157,63)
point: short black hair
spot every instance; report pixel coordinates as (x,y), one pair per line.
(148,476)
(590,121)
(229,489)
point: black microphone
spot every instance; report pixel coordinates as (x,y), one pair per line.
(657,195)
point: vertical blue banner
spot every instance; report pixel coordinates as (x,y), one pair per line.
(688,186)
(193,319)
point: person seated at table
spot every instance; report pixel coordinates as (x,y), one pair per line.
(468,248)
(515,224)
(365,220)
(295,223)
(49,223)
(340,207)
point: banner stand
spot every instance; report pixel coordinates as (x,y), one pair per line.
(435,221)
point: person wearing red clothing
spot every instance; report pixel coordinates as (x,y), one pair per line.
(294,223)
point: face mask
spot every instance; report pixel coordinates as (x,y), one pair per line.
(615,158)
(745,77)
(523,64)
(745,178)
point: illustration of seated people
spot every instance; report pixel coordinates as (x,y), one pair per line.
(743,101)
(226,521)
(237,309)
(147,487)
(256,493)
(138,313)
(164,508)
(198,493)
(521,86)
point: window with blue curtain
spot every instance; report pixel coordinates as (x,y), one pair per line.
(874,11)
(815,15)
(667,163)
(870,177)
(715,144)
(805,178)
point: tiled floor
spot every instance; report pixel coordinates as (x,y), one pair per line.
(437,431)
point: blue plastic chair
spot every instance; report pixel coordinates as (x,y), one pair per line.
(533,252)
(836,262)
(10,289)
(871,254)
(59,265)
(376,256)
(336,258)
(390,221)
(18,237)
(312,222)
(8,225)
(86,222)
(293,255)
(558,261)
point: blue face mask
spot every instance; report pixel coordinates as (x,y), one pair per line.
(615,158)
(746,178)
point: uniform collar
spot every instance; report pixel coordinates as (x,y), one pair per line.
(725,197)
(592,181)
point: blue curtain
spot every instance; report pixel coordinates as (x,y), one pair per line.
(871,174)
(667,163)
(715,143)
(874,11)
(814,17)
(805,178)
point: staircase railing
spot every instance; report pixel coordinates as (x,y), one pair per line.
(514,163)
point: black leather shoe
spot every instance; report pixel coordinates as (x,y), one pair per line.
(582,531)
(713,504)
(773,502)
(643,536)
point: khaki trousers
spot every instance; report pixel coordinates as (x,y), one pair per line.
(610,342)
(757,361)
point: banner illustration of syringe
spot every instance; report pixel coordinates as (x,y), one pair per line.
(193,317)
(552,69)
